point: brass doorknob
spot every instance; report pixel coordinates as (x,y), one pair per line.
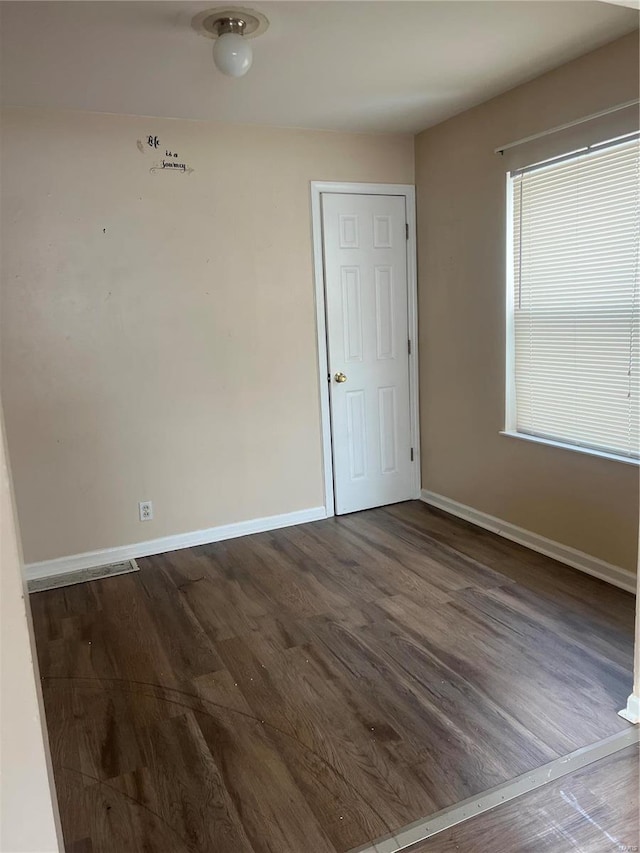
(340,377)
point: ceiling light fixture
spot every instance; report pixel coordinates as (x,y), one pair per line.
(231,27)
(231,53)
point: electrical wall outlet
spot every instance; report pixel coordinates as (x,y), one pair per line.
(146,510)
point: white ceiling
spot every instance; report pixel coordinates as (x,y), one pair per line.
(358,66)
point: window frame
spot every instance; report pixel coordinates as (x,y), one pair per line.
(510,429)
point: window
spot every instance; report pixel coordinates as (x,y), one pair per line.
(573,299)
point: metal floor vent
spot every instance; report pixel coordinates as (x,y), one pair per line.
(81,576)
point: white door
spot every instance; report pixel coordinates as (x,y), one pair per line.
(365,259)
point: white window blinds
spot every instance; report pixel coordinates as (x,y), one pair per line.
(575,302)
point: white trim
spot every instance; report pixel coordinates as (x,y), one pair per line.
(321,343)
(563,553)
(510,336)
(414,361)
(565,445)
(90,559)
(409,193)
(626,105)
(632,711)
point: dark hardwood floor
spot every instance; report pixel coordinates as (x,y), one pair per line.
(314,688)
(592,811)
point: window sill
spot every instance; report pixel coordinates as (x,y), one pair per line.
(628,460)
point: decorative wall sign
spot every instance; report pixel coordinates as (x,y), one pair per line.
(169,163)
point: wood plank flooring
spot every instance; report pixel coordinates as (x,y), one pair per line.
(594,811)
(313,688)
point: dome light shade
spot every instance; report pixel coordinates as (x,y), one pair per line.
(231,28)
(232,54)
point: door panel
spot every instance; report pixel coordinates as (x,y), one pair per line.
(365,259)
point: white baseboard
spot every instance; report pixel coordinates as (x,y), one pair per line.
(563,553)
(91,559)
(632,712)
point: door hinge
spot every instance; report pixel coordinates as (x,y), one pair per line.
(412,454)
(406,228)
(409,346)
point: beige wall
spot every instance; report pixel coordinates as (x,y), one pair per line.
(582,501)
(28,808)
(158,330)
(158,337)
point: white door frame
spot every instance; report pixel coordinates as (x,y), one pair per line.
(409,193)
